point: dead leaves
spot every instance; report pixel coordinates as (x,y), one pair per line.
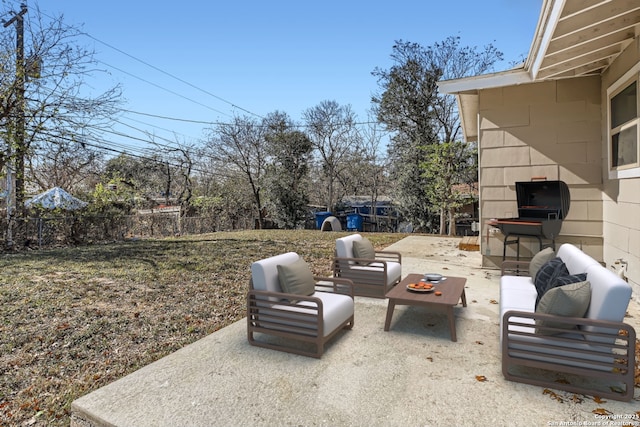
(553,395)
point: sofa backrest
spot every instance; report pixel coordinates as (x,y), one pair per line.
(264,273)
(344,245)
(575,260)
(610,295)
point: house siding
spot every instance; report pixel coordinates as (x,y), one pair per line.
(621,197)
(549,129)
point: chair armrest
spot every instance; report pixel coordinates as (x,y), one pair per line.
(388,256)
(341,264)
(604,351)
(337,285)
(515,268)
(284,298)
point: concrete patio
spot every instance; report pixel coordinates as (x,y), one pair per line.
(412,375)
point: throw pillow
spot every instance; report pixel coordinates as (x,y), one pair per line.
(563,280)
(567,280)
(296,278)
(548,274)
(568,301)
(539,259)
(363,249)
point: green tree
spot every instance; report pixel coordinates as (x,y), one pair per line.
(406,107)
(290,152)
(146,178)
(419,117)
(448,164)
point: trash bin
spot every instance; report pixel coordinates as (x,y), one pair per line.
(320,217)
(354,222)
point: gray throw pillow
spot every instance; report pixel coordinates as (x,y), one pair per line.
(539,259)
(568,301)
(363,249)
(296,278)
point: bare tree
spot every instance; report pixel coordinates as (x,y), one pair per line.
(455,61)
(333,132)
(182,162)
(374,176)
(240,146)
(66,164)
(42,98)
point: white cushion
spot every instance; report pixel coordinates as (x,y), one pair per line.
(344,246)
(337,308)
(574,259)
(610,297)
(394,270)
(517,293)
(264,273)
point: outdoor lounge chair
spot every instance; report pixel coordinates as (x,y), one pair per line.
(308,315)
(372,276)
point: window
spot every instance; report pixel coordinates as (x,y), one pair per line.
(624,126)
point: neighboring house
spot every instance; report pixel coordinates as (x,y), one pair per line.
(467,214)
(570,113)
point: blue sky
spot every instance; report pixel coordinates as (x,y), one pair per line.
(260,56)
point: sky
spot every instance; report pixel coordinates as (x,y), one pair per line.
(206,61)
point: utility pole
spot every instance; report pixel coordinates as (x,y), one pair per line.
(19,130)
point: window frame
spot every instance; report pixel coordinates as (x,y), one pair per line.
(630,170)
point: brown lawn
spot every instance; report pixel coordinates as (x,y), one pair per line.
(75,319)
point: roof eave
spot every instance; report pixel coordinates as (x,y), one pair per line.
(466,91)
(485,81)
(549,17)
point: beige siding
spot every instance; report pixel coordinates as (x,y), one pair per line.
(548,129)
(621,206)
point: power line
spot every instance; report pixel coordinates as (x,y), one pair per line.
(163,88)
(157,69)
(171,75)
(205,122)
(106,145)
(153,126)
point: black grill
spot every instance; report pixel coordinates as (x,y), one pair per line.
(542,206)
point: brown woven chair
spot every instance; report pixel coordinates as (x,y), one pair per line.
(293,322)
(371,277)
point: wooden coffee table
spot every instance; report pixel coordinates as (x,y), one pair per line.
(452,291)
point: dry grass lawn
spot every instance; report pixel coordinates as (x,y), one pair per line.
(75,319)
